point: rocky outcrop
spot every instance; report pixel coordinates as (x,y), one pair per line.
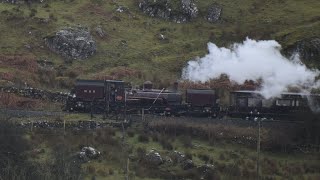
(214,13)
(72,43)
(308,49)
(88,153)
(177,156)
(182,160)
(153,158)
(179,11)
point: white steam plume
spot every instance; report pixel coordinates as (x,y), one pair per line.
(253,60)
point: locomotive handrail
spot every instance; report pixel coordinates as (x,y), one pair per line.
(156,99)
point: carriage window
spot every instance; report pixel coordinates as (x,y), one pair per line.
(85,91)
(254,102)
(283,102)
(297,102)
(93,91)
(89,91)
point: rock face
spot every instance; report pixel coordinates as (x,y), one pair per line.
(72,43)
(308,49)
(214,13)
(179,11)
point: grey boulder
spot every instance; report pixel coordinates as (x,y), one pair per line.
(72,43)
(214,13)
(153,158)
(179,11)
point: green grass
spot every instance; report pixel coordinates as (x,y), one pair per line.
(284,20)
(278,165)
(77,117)
(228,154)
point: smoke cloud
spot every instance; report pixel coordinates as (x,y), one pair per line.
(253,60)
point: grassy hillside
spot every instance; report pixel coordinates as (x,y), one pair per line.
(131,49)
(231,149)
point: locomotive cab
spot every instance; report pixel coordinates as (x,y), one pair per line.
(114,96)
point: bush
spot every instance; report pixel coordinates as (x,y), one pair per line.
(105,136)
(233,169)
(165,143)
(91,169)
(52,17)
(111,172)
(155,137)
(141,152)
(186,141)
(72,74)
(33,12)
(222,157)
(131,133)
(204,157)
(188,155)
(143,138)
(248,173)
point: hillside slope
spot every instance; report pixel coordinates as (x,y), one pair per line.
(132,48)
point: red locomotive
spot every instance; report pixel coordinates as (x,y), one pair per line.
(113,97)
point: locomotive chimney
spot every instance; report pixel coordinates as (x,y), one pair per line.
(147,85)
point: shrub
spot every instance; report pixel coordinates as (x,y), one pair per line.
(33,12)
(165,143)
(72,74)
(211,161)
(141,152)
(250,164)
(204,157)
(143,138)
(111,172)
(247,173)
(222,157)
(233,169)
(131,133)
(188,155)
(155,137)
(186,141)
(52,17)
(105,136)
(102,172)
(91,169)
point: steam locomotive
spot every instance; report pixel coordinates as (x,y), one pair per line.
(114,97)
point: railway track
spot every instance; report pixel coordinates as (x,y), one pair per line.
(98,122)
